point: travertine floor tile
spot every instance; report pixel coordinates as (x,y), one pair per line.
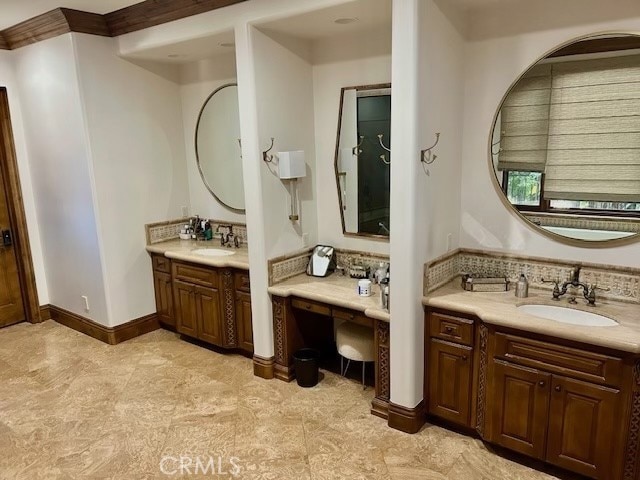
(72,407)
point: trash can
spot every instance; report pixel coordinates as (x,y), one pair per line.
(306,363)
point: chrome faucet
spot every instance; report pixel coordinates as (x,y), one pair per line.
(227,239)
(588,292)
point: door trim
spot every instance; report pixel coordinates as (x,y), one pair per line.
(9,166)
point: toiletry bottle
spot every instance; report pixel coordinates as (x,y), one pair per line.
(522,287)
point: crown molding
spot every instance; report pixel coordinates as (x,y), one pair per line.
(126,20)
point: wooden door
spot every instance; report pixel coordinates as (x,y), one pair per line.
(164,297)
(449,370)
(185,308)
(583,428)
(520,409)
(209,315)
(243,321)
(11,306)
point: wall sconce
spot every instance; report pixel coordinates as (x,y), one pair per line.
(291,166)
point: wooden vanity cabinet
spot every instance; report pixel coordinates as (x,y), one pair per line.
(449,368)
(567,404)
(208,303)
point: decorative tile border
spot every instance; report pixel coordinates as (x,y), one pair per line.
(623,282)
(585,222)
(290,265)
(169,230)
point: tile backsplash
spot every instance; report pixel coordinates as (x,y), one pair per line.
(290,265)
(169,230)
(623,282)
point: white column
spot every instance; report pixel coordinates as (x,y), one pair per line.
(406,244)
(252,164)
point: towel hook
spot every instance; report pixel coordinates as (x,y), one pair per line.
(356,150)
(265,155)
(383,157)
(427,156)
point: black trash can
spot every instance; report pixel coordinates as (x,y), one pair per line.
(306,362)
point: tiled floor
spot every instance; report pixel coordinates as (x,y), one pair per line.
(72,407)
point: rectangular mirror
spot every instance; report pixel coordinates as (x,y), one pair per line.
(363,159)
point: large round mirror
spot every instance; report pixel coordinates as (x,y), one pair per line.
(565,144)
(218,147)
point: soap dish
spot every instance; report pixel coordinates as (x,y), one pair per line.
(485,284)
(185,236)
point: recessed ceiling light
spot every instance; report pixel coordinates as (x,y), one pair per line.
(346,20)
(227,44)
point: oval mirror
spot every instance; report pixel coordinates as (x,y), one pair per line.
(218,147)
(565,143)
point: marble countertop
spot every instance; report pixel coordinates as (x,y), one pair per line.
(337,290)
(500,309)
(184,250)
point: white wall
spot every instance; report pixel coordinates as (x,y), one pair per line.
(284,89)
(198,80)
(344,61)
(491,66)
(427,86)
(134,120)
(61,176)
(8,80)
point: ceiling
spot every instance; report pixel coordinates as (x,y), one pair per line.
(16,11)
(318,24)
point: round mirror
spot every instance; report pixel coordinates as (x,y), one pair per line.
(565,143)
(218,147)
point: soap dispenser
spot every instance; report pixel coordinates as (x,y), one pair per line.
(522,287)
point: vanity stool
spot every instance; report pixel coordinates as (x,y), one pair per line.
(355,342)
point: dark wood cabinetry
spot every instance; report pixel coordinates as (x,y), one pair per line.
(520,408)
(571,405)
(207,303)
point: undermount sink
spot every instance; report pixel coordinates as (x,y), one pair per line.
(213,252)
(567,315)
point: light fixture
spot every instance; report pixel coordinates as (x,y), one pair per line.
(227,44)
(176,55)
(345,20)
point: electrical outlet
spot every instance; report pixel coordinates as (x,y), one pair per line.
(86,302)
(449,241)
(185,211)
(305,239)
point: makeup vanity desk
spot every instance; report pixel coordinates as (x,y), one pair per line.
(303,301)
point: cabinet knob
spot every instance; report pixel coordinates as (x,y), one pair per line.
(558,388)
(542,383)
(448,329)
(464,358)
(308,307)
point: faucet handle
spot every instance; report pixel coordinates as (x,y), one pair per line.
(556,287)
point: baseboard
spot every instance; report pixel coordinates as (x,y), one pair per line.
(408,420)
(45,312)
(263,367)
(110,335)
(380,408)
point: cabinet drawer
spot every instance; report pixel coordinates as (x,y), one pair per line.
(554,358)
(351,316)
(454,329)
(161,264)
(311,306)
(242,282)
(197,275)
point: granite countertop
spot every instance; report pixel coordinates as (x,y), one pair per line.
(500,309)
(337,290)
(183,250)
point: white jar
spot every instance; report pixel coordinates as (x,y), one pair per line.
(364,288)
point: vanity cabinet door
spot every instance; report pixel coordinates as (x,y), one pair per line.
(450,381)
(185,308)
(243,320)
(520,408)
(583,427)
(209,315)
(164,297)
